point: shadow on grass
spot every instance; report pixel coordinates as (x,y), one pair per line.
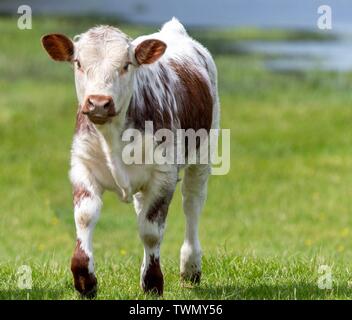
(300,291)
(34,294)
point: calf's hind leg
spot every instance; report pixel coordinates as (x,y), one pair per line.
(194,192)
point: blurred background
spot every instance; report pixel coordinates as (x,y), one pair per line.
(282,211)
(289,15)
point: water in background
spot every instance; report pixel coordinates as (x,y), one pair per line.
(283,14)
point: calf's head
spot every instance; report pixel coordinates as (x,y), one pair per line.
(104,61)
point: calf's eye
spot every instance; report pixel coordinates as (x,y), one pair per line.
(125,67)
(78,64)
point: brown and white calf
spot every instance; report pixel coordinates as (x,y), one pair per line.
(166,78)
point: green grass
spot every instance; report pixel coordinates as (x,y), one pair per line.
(282,211)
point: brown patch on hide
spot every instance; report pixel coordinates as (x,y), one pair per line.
(195,103)
(84,220)
(84,281)
(153,280)
(150,110)
(150,240)
(159,208)
(80,193)
(58,46)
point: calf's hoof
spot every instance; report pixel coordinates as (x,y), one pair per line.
(191,263)
(193,277)
(85,282)
(153,280)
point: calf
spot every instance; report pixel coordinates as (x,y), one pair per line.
(166,78)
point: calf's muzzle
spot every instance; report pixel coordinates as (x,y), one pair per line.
(99,108)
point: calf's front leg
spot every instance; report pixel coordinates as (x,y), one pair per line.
(87,206)
(152,212)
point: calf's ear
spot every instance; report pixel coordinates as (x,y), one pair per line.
(58,46)
(149,51)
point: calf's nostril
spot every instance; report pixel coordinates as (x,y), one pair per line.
(90,102)
(107,105)
(102,106)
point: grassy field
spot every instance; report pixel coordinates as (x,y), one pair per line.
(282,211)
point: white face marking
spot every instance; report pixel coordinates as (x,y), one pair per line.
(102,65)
